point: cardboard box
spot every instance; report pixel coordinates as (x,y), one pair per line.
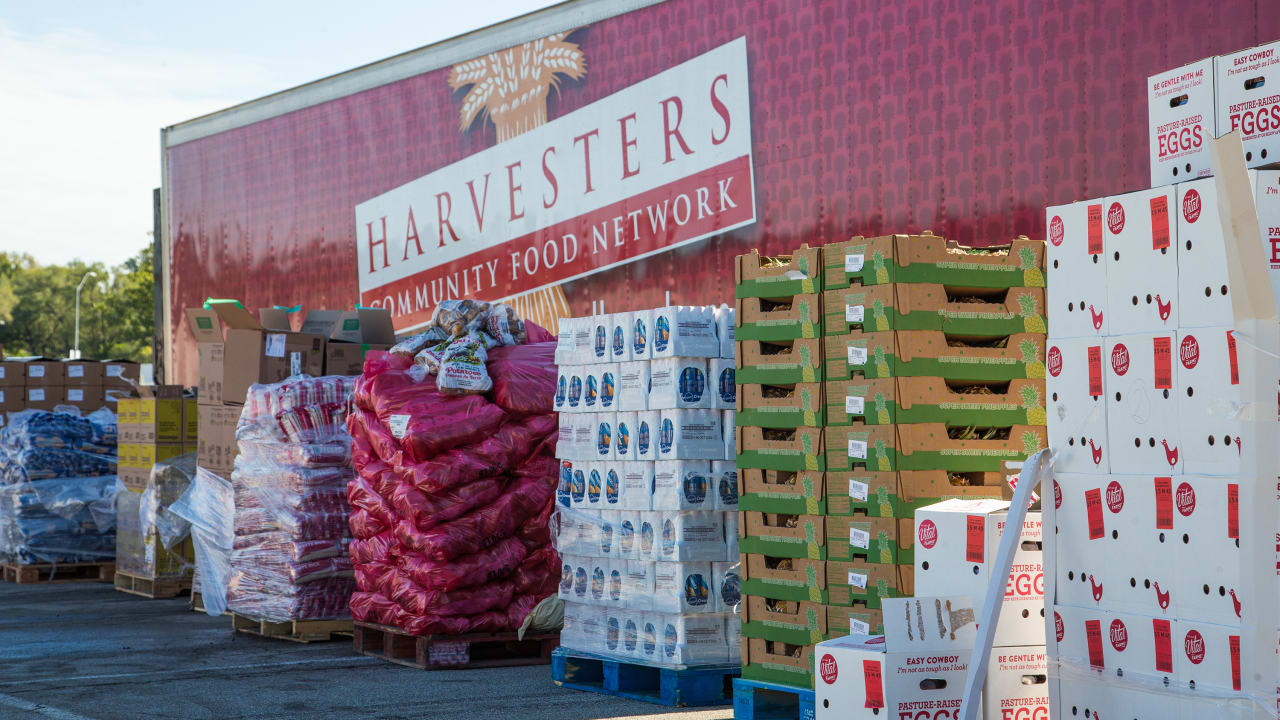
(788,318)
(782,491)
(862,492)
(931,353)
(931,399)
(781,406)
(684,331)
(854,620)
(1017,683)
(1208,392)
(861,584)
(877,677)
(1077,274)
(120,374)
(86,397)
(858,261)
(778,276)
(871,308)
(1077,405)
(13,373)
(1245,83)
(861,401)
(160,414)
(676,382)
(783,361)
(350,335)
(43,372)
(1203,286)
(83,372)
(252,351)
(927,446)
(884,541)
(45,397)
(930,259)
(1181,119)
(784,578)
(1142,405)
(790,621)
(777,662)
(1106,642)
(136,460)
(12,399)
(956,545)
(1140,240)
(861,447)
(139,550)
(216,443)
(970,312)
(900,494)
(870,355)
(190,421)
(801,448)
(779,535)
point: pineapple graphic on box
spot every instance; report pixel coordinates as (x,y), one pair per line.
(1032,276)
(1030,356)
(877,264)
(810,540)
(1032,321)
(885,504)
(807,373)
(810,460)
(886,551)
(882,457)
(1030,443)
(811,619)
(810,497)
(811,581)
(882,367)
(882,409)
(1031,402)
(878,318)
(807,330)
(806,404)
(882,588)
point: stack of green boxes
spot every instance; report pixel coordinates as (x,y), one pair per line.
(919,374)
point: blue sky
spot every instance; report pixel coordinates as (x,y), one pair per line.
(88,85)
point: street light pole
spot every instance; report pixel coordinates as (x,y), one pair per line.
(75,353)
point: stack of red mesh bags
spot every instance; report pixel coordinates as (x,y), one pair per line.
(290,559)
(454,492)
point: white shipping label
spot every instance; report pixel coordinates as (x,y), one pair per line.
(854,405)
(36,371)
(857,356)
(295,363)
(1,372)
(115,371)
(859,538)
(858,490)
(858,449)
(852,263)
(37,394)
(398,424)
(857,627)
(75,395)
(858,580)
(1,396)
(275,345)
(75,371)
(853,313)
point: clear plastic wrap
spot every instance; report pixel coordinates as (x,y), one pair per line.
(209,506)
(58,520)
(169,480)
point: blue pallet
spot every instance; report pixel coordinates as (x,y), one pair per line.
(676,687)
(755,700)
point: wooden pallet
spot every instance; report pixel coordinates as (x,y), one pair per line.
(755,700)
(302,631)
(438,652)
(149,587)
(57,572)
(676,687)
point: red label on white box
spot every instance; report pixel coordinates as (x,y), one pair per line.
(1191,206)
(1164,645)
(1193,645)
(1120,359)
(828,669)
(871,678)
(1053,360)
(1233,511)
(1189,352)
(1233,642)
(1095,229)
(1093,506)
(1095,370)
(1185,499)
(1164,503)
(1115,218)
(927,534)
(1115,497)
(1058,628)
(1162,349)
(975,540)
(1093,636)
(1056,231)
(1119,635)
(1159,222)
(1231,358)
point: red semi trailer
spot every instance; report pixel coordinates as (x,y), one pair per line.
(618,150)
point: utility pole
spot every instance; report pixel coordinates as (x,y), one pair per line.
(75,353)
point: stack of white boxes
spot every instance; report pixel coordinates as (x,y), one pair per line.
(648,491)
(1143,413)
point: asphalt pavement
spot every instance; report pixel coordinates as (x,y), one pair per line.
(83,651)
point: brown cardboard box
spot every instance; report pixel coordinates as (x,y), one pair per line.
(83,372)
(842,620)
(160,414)
(885,538)
(878,581)
(252,351)
(850,491)
(86,397)
(349,335)
(780,406)
(859,354)
(127,420)
(789,318)
(135,460)
(930,353)
(13,373)
(45,397)
(190,421)
(798,449)
(926,446)
(139,550)
(782,535)
(794,620)
(938,485)
(782,361)
(785,491)
(932,399)
(778,662)
(928,258)
(216,443)
(861,447)
(799,273)
(120,374)
(43,372)
(12,398)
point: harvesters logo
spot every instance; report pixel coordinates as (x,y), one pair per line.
(1119,635)
(927,534)
(1193,644)
(626,537)
(580,582)
(1120,359)
(1189,352)
(579,489)
(1058,629)
(1115,218)
(1191,206)
(1185,499)
(630,635)
(615,585)
(1056,231)
(594,485)
(575,391)
(828,669)
(1055,361)
(1115,497)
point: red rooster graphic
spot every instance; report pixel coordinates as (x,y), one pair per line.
(1096,316)
(1163,308)
(1170,454)
(1162,598)
(1097,590)
(1097,452)
(1235,601)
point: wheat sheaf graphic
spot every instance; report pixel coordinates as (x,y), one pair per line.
(510,86)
